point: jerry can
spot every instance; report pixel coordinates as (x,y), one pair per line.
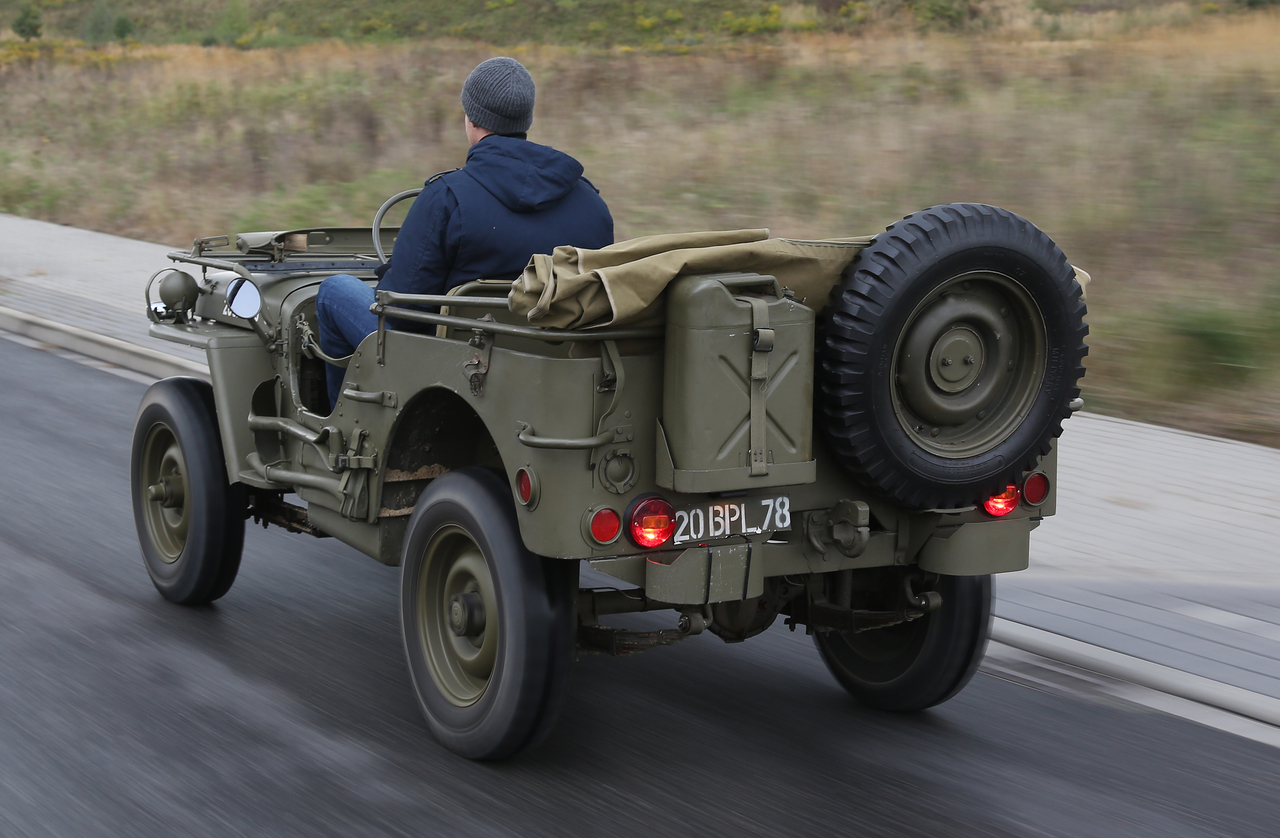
(737,400)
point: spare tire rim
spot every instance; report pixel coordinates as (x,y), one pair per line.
(460,653)
(163,481)
(969,364)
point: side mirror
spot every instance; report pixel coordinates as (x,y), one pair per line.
(244,299)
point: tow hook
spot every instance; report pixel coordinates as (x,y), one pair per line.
(846,527)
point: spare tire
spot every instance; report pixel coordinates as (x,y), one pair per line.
(949,355)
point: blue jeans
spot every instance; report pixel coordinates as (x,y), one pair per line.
(342,310)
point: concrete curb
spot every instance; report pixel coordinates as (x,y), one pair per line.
(1262,708)
(109,349)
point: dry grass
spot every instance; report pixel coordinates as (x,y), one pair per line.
(1150,151)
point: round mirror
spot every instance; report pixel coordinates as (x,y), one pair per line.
(244,299)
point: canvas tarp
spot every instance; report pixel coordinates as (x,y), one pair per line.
(622,284)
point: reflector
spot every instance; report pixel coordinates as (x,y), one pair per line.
(605,526)
(1035,489)
(524,486)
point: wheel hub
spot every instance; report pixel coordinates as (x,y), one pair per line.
(956,360)
(466,614)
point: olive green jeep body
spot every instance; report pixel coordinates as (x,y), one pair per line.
(700,463)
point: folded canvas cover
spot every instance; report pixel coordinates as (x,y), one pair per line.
(622,284)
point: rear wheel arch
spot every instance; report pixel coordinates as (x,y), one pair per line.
(438,431)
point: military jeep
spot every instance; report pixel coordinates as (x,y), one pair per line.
(858,465)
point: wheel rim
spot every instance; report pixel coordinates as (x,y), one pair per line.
(165,490)
(461,664)
(881,655)
(969,364)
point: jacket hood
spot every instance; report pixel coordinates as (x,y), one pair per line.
(524,176)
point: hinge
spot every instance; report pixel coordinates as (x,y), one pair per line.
(478,366)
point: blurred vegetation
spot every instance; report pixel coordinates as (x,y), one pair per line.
(1144,138)
(649,23)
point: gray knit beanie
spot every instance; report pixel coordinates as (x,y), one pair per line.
(498,96)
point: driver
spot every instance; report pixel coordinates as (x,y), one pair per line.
(512,199)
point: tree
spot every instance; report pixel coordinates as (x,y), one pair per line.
(27,24)
(123,28)
(97,26)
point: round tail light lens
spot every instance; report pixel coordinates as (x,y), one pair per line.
(524,486)
(1003,503)
(1035,490)
(653,522)
(605,525)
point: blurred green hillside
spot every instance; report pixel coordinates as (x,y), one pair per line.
(666,24)
(272,22)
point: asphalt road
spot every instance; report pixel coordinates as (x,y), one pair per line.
(285,708)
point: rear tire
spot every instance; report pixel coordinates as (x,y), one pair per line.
(917,664)
(190,521)
(489,680)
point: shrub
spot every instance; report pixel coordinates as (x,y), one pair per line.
(770,20)
(1216,343)
(27,25)
(99,24)
(945,14)
(122,29)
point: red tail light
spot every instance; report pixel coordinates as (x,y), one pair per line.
(605,526)
(653,522)
(1035,489)
(1003,503)
(524,486)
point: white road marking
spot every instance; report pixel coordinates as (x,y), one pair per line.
(1228,619)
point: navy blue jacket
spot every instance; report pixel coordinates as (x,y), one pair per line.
(513,199)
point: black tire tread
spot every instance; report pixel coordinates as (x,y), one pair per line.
(881,273)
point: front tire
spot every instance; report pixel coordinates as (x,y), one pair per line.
(918,664)
(190,521)
(488,626)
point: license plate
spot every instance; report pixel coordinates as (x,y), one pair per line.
(744,516)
